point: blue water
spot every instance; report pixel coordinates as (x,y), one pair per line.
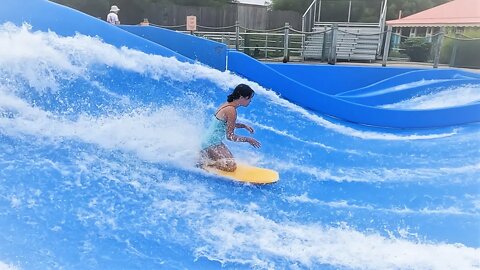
(97,153)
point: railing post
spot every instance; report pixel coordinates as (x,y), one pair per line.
(319,11)
(454,49)
(303,39)
(386,48)
(266,46)
(285,43)
(333,47)
(324,45)
(438,46)
(349,10)
(237,35)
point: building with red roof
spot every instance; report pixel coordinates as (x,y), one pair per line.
(454,15)
(457,13)
(456,19)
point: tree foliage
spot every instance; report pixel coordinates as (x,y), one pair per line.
(295,5)
(132,11)
(409,7)
(418,49)
(362,10)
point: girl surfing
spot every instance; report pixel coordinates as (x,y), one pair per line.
(224,122)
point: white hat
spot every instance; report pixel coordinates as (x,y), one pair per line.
(114,9)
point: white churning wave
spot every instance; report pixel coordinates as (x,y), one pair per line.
(57,57)
(401,87)
(452,210)
(374,175)
(4,266)
(451,97)
(145,132)
(247,237)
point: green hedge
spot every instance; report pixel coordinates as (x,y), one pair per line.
(418,49)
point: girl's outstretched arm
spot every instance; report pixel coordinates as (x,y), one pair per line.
(231,117)
(249,128)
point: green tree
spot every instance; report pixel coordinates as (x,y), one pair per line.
(418,49)
(131,12)
(362,10)
(295,5)
(198,2)
(96,8)
(409,7)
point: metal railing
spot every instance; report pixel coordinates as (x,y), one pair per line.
(283,42)
(437,52)
(310,17)
(288,44)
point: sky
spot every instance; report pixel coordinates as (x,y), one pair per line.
(257,2)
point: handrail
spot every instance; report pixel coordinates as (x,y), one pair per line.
(311,22)
(265,44)
(347,23)
(309,7)
(268,43)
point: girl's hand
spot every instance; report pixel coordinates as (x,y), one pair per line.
(253,142)
(250,129)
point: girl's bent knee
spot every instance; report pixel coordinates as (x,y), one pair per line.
(231,166)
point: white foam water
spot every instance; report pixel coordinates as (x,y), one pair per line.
(451,97)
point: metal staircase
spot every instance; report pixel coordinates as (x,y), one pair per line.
(353,41)
(350,41)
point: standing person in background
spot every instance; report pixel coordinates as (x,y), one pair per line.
(112,17)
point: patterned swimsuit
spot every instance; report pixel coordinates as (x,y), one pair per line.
(215,132)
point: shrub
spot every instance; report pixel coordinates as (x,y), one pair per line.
(418,49)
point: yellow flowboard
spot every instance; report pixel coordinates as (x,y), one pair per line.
(248,174)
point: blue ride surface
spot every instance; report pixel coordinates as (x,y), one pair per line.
(99,129)
(328,90)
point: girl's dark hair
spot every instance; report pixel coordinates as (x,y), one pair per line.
(242,90)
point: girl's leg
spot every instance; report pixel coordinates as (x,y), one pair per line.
(221,158)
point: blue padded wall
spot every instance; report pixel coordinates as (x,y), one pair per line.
(336,79)
(205,51)
(316,100)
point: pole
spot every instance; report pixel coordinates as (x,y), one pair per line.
(333,46)
(383,19)
(303,39)
(386,49)
(438,46)
(454,49)
(319,10)
(237,35)
(285,43)
(266,46)
(349,10)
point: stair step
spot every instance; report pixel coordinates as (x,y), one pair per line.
(354,42)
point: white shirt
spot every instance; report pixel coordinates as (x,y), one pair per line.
(112,18)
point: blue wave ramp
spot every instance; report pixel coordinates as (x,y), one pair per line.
(317,96)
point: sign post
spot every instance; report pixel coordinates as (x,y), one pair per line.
(191,24)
